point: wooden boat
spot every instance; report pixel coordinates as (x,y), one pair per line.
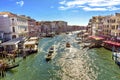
(5,66)
(68,45)
(50,54)
(8,67)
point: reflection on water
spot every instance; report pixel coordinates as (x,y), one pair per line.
(69,63)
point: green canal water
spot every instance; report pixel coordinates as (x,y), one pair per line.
(68,64)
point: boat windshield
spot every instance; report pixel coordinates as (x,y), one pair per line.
(51,48)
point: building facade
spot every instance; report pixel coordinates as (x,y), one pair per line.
(53,26)
(13,25)
(106,26)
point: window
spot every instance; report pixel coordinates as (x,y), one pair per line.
(12,19)
(13,28)
(116,27)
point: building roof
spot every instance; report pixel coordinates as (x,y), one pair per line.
(8,13)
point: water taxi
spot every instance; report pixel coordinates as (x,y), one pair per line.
(68,45)
(50,54)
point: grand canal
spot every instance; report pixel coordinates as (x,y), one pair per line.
(68,64)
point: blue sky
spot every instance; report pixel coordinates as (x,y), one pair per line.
(75,12)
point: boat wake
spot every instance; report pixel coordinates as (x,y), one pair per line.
(75,65)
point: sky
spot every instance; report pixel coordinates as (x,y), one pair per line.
(75,12)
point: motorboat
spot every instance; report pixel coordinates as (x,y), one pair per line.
(116,57)
(50,54)
(78,38)
(68,45)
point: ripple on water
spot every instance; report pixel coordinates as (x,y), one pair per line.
(75,66)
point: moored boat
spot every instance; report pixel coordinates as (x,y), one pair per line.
(116,57)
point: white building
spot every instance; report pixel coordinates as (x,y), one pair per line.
(13,25)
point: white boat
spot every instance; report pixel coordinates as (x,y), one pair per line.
(87,44)
(78,38)
(116,57)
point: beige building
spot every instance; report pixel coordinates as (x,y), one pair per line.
(96,25)
(111,26)
(106,26)
(13,25)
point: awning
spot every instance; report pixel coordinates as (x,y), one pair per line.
(112,43)
(96,37)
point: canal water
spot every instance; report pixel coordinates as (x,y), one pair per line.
(71,63)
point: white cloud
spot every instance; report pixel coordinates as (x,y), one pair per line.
(90,5)
(63,8)
(94,9)
(62,2)
(21,3)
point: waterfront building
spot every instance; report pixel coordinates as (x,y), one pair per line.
(45,26)
(111,26)
(38,28)
(60,26)
(32,27)
(53,26)
(13,25)
(106,26)
(76,28)
(96,25)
